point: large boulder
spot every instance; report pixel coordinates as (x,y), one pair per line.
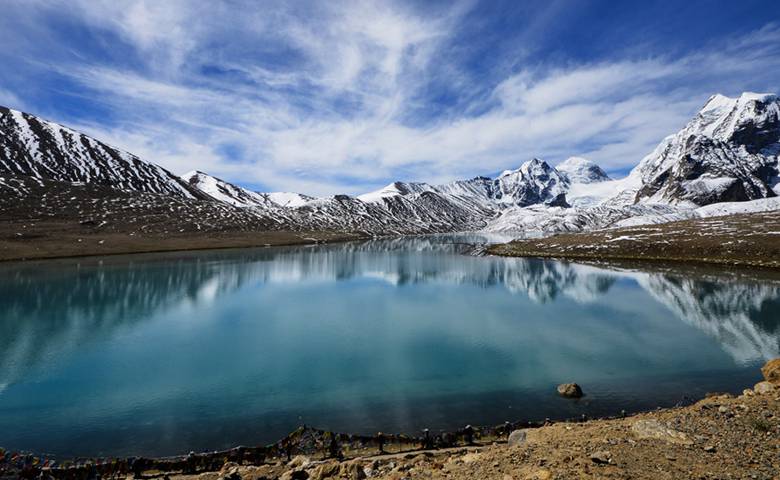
(569,390)
(771,371)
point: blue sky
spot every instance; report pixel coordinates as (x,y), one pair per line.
(344,97)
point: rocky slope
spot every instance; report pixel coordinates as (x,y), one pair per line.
(31,146)
(226,192)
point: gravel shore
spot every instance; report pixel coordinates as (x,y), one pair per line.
(721,436)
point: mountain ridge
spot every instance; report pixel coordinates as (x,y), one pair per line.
(35,147)
(727,152)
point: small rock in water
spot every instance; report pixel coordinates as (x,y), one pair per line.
(771,371)
(601,457)
(569,390)
(517,437)
(763,388)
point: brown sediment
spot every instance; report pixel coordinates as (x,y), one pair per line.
(59,239)
(751,240)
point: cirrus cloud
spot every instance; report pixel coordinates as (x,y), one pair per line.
(346,96)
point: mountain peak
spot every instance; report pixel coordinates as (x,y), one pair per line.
(534,182)
(721,102)
(534,165)
(727,152)
(582,170)
(758,97)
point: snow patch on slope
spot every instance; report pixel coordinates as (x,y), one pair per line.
(713,210)
(288,199)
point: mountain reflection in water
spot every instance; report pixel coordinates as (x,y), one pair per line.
(370,322)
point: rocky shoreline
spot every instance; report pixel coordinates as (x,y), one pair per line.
(720,436)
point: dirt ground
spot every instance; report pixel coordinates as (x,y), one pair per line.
(61,238)
(53,219)
(745,239)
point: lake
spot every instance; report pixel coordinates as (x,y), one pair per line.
(164,354)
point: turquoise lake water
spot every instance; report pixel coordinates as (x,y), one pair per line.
(164,354)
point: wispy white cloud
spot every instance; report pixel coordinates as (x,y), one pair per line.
(10,99)
(329,101)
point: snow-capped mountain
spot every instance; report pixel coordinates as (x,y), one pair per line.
(727,152)
(535,182)
(31,146)
(425,212)
(223,191)
(581,170)
(394,189)
(226,192)
(288,199)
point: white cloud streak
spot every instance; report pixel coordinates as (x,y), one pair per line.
(324,106)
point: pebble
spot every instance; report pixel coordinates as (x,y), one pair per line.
(517,437)
(655,429)
(601,457)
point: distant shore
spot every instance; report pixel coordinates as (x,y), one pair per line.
(750,240)
(63,239)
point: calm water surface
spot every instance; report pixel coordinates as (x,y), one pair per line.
(164,354)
